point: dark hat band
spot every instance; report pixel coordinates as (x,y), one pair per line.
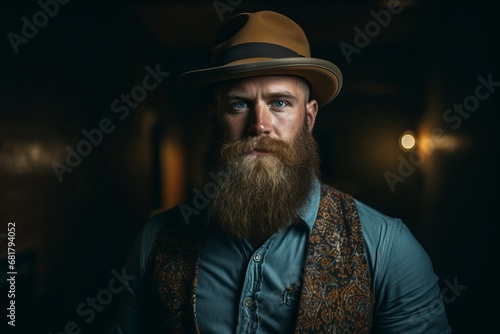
(253,50)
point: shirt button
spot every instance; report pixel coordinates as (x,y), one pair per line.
(256,257)
(248,302)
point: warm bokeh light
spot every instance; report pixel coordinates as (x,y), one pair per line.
(407,140)
(172,162)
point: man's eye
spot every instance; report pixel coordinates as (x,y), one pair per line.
(239,105)
(279,104)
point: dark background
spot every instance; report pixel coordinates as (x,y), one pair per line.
(70,235)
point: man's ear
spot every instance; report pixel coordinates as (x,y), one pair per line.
(311,112)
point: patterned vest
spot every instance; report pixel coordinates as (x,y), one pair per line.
(336,295)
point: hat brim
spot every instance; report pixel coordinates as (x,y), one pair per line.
(324,77)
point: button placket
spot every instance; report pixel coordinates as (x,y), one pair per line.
(249,307)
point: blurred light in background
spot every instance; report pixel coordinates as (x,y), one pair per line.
(22,156)
(407,141)
(172,162)
(432,139)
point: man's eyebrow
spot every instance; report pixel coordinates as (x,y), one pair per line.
(272,95)
(281,95)
(237,96)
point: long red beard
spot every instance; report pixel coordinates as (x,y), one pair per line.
(261,194)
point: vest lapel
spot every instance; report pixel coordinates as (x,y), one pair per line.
(336,294)
(173,267)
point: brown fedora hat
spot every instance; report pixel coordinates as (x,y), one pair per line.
(264,43)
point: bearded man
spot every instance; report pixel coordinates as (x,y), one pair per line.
(276,250)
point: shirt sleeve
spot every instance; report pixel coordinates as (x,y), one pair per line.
(407,294)
(133,309)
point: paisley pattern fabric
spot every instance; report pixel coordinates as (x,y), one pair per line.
(172,274)
(336,294)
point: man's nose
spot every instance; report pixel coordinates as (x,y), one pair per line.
(259,122)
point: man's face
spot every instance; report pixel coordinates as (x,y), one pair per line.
(267,158)
(273,106)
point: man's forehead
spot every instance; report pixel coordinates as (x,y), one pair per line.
(276,83)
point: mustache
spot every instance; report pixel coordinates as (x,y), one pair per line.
(233,149)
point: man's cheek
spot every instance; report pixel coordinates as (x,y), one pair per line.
(232,128)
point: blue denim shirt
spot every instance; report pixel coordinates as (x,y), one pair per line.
(246,290)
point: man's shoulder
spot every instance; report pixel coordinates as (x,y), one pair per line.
(376,226)
(373,218)
(180,218)
(165,216)
(172,223)
(370,218)
(388,240)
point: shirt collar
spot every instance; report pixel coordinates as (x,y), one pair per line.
(310,209)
